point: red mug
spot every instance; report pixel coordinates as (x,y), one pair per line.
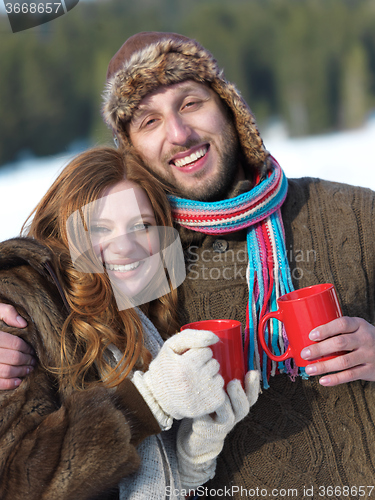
(229,350)
(301,311)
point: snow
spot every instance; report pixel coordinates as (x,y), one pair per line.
(347,157)
(22,185)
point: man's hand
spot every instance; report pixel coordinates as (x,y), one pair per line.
(356,338)
(16,356)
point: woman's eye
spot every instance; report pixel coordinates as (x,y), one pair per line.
(99,229)
(141,226)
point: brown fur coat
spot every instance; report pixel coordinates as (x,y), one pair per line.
(59,444)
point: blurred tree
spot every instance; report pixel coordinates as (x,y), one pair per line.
(355,85)
(310,63)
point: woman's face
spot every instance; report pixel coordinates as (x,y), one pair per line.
(125,237)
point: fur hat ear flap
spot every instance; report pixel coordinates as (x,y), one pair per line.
(150,60)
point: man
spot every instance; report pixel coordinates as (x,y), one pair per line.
(305,436)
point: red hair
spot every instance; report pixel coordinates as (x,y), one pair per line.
(95,321)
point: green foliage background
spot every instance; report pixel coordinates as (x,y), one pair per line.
(310,63)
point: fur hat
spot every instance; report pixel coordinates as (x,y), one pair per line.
(149,60)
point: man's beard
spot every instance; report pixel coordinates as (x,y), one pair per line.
(217,189)
(212,189)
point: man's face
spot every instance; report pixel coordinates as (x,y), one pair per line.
(184,134)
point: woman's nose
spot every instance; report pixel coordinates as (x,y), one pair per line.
(124,244)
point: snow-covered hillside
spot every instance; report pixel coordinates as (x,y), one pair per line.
(345,157)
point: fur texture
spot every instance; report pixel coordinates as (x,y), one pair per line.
(149,60)
(56,443)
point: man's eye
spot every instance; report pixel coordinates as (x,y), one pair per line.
(190,104)
(149,122)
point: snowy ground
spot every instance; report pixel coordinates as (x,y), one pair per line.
(345,157)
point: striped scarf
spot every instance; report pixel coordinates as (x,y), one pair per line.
(268,273)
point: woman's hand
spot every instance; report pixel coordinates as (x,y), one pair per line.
(183,380)
(200,440)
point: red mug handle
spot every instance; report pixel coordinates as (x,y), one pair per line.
(277,315)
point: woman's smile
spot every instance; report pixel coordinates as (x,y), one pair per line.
(125,237)
(123,268)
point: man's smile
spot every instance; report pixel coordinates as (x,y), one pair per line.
(188,158)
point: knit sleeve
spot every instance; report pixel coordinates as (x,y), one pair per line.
(330,238)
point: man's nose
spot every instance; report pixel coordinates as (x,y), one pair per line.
(177,130)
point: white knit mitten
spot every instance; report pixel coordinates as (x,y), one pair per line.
(200,440)
(183,380)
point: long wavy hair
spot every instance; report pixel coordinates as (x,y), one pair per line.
(94,321)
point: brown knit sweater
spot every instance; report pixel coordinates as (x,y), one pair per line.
(300,440)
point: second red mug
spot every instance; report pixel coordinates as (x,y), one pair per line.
(301,311)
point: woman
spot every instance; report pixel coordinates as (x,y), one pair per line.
(71,429)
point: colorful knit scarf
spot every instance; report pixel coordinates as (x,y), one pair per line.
(268,273)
